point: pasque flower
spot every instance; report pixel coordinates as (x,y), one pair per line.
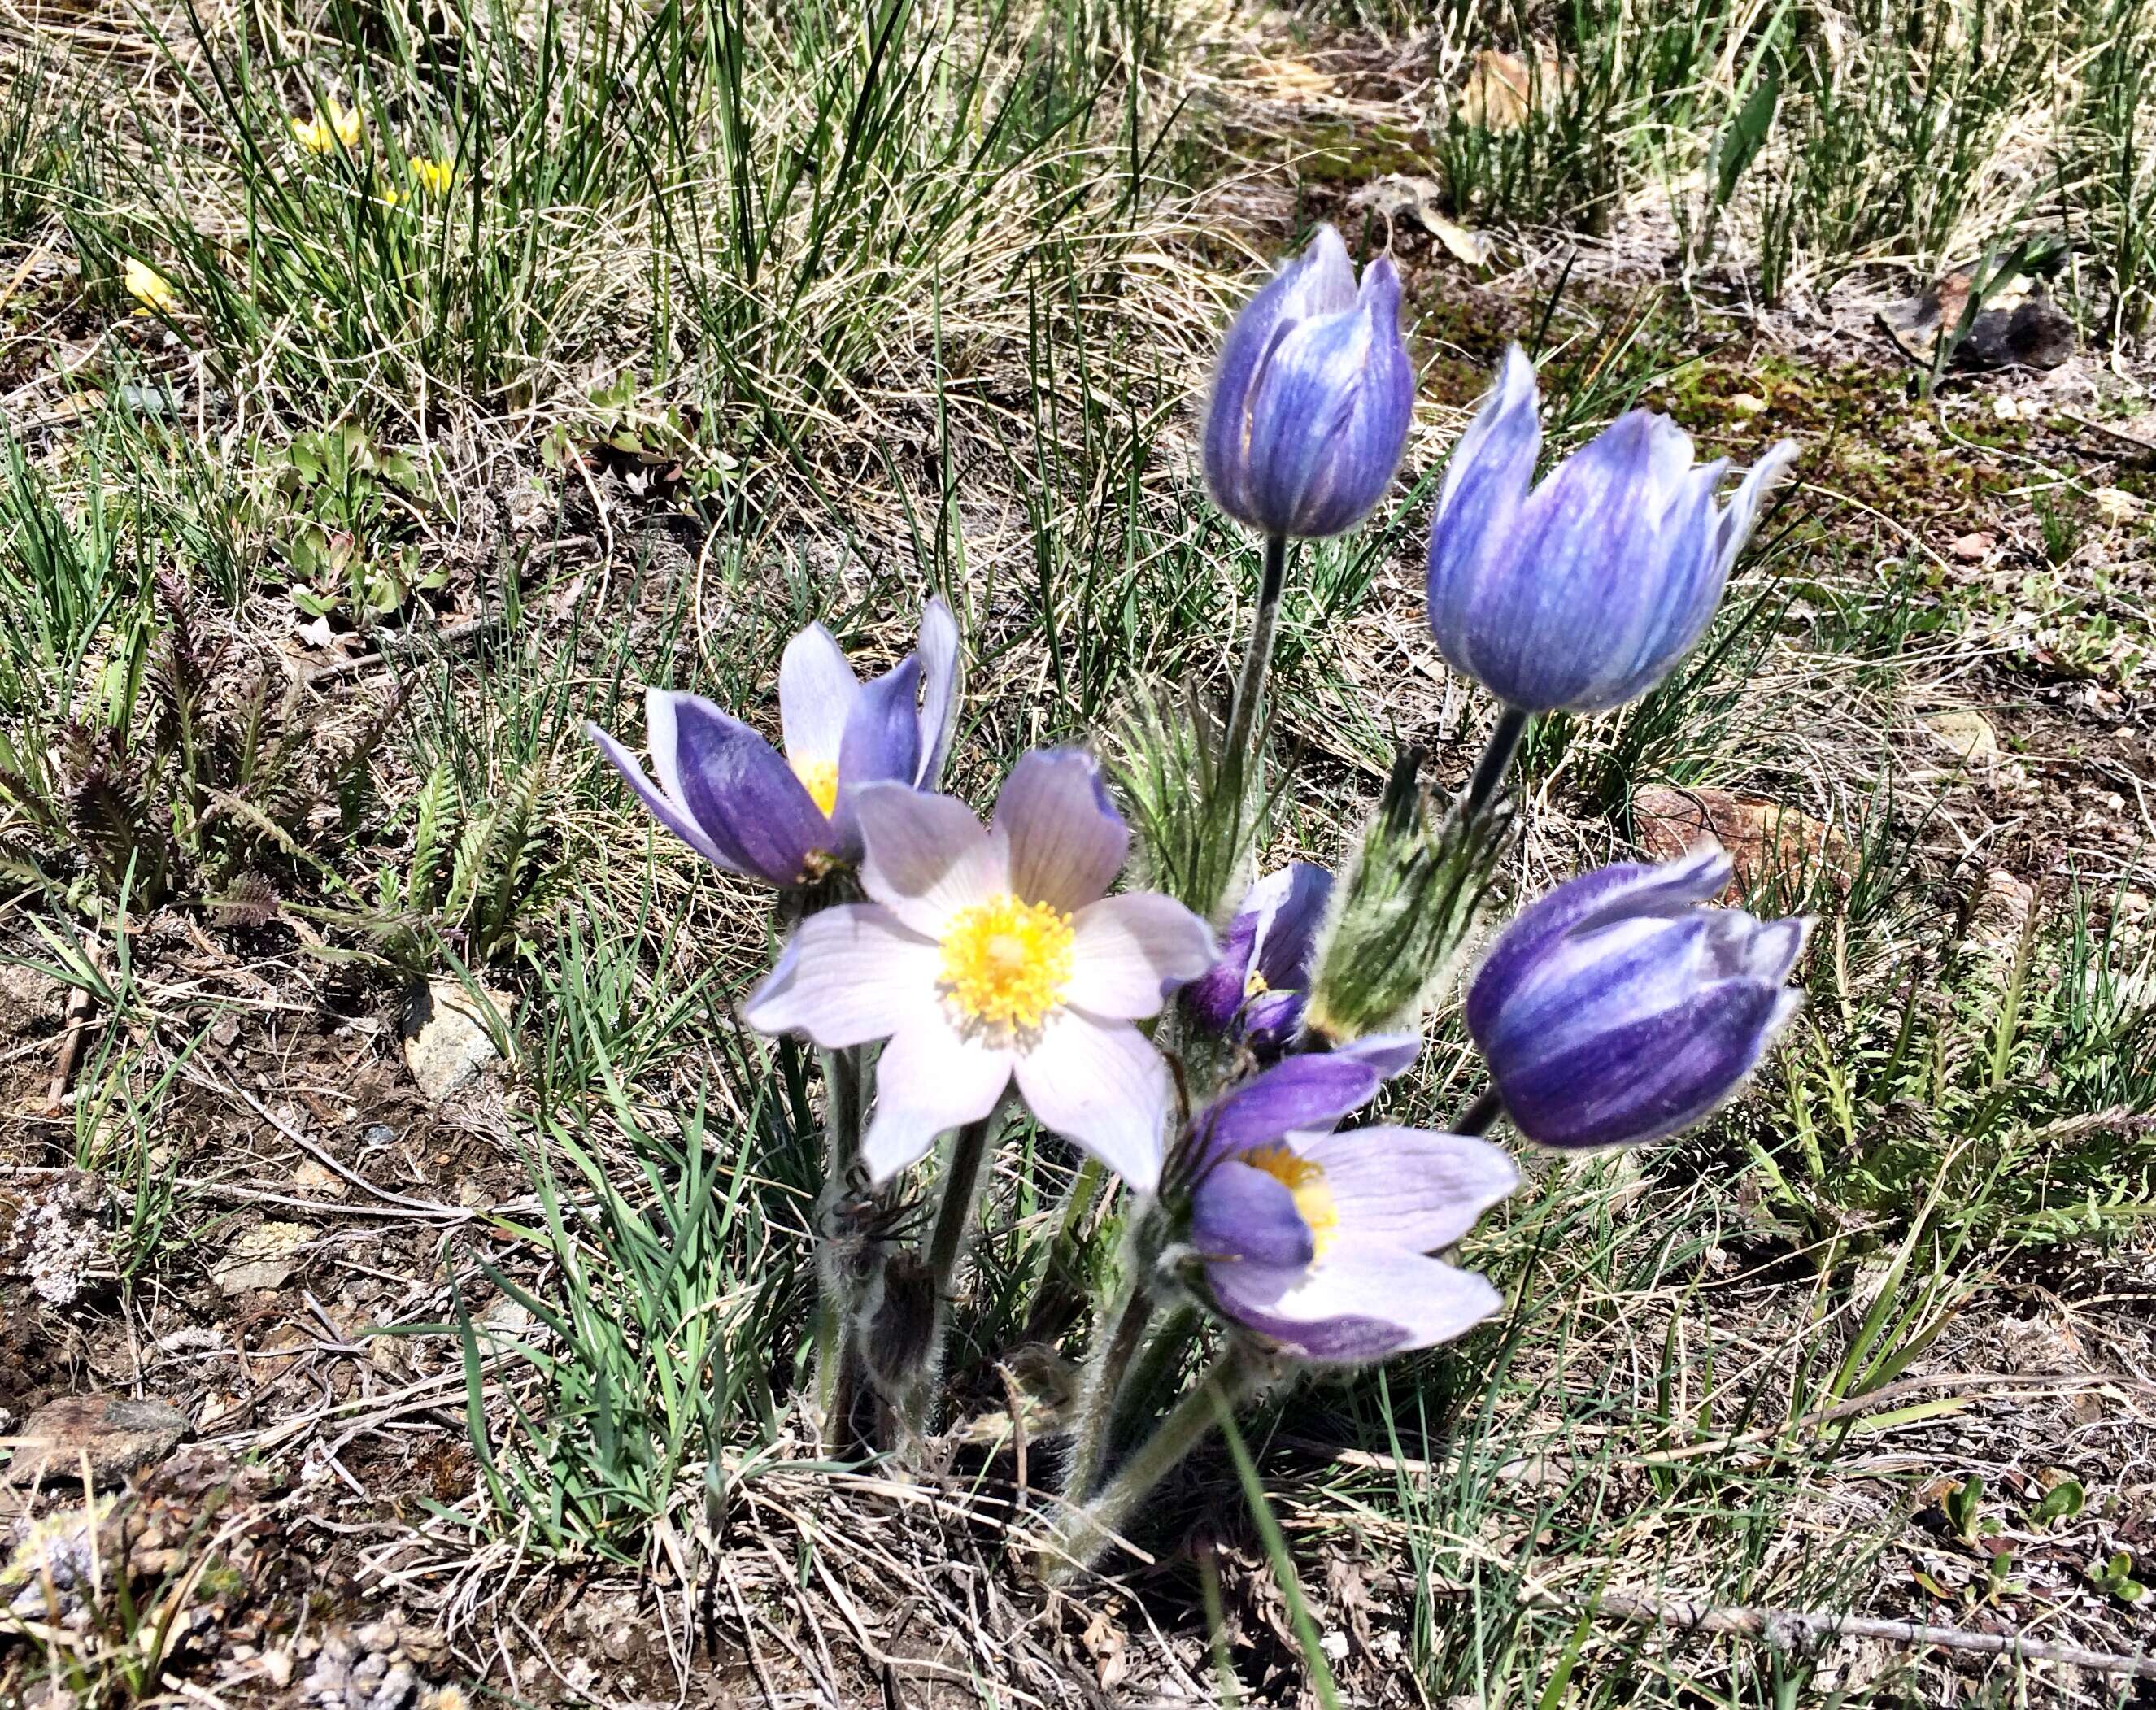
(1311,405)
(1584,591)
(1320,1241)
(1255,992)
(1619,1008)
(725,791)
(985,954)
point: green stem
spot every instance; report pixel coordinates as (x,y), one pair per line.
(1480,1113)
(1496,761)
(1103,1383)
(1251,685)
(915,1390)
(1084,1531)
(838,1362)
(1156,1370)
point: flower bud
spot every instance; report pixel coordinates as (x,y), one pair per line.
(1254,994)
(1586,592)
(1403,910)
(1311,405)
(1620,1009)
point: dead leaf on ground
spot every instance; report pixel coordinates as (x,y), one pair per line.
(1400,197)
(264,1256)
(1503,88)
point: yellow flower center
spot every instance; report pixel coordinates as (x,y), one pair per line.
(820,779)
(1253,983)
(1306,1180)
(1006,963)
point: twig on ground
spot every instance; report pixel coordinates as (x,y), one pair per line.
(388,647)
(1797,1628)
(82,1007)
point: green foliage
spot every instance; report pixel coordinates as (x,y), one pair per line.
(2014,1083)
(344,489)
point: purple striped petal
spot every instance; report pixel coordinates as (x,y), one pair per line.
(1409,1188)
(1299,1093)
(744,796)
(1067,842)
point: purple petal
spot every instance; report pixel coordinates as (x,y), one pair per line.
(1215,998)
(1358,1304)
(1271,1020)
(1238,1212)
(1308,1092)
(1621,889)
(1485,482)
(737,788)
(1128,952)
(1290,913)
(1735,526)
(941,678)
(1104,1087)
(930,1078)
(849,975)
(675,819)
(925,858)
(816,691)
(1067,842)
(1646,1079)
(1409,1188)
(882,744)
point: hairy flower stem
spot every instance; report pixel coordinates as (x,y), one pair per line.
(838,1357)
(1251,685)
(1085,1531)
(1126,1326)
(1481,1113)
(1156,1370)
(916,1390)
(1496,761)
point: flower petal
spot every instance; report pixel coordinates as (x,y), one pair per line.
(1291,912)
(735,786)
(816,691)
(1408,1187)
(1608,894)
(1103,1086)
(1357,1305)
(931,1077)
(1127,952)
(1243,1214)
(849,975)
(942,676)
(882,744)
(1067,842)
(675,818)
(1298,1094)
(925,856)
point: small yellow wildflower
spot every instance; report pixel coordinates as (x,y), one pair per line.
(150,288)
(432,177)
(321,134)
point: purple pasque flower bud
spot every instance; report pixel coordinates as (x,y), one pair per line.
(1254,994)
(1320,1242)
(1584,591)
(1620,1008)
(727,793)
(1312,401)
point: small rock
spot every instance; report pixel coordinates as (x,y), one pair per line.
(1745,403)
(120,1436)
(1969,734)
(2114,504)
(313,1176)
(447,1041)
(1973,548)
(262,1257)
(1765,839)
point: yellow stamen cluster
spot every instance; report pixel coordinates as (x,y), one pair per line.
(820,779)
(1007,963)
(327,129)
(1306,1180)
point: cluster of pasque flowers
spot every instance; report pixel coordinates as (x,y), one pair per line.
(1211,1051)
